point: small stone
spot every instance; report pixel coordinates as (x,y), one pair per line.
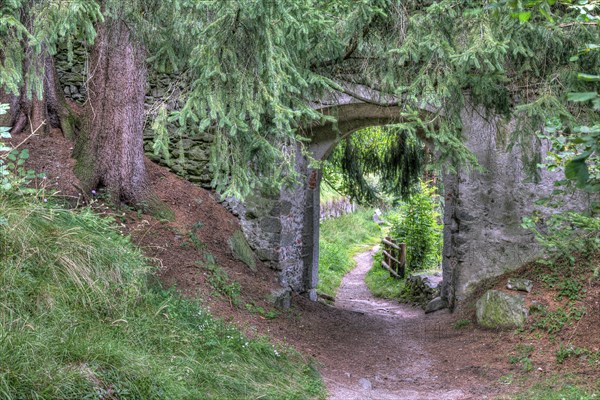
(365,383)
(523,285)
(281,298)
(436,304)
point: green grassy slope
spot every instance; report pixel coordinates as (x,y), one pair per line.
(78,321)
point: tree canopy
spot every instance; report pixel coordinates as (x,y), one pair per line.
(256,68)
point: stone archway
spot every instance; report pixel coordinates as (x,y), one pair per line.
(483,236)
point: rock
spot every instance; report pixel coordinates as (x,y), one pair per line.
(365,383)
(436,304)
(281,298)
(524,285)
(497,309)
(422,288)
(241,249)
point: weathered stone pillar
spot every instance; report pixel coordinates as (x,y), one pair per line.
(283,229)
(483,236)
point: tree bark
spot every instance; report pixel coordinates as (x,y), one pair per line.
(48,110)
(109,148)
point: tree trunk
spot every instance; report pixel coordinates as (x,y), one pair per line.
(40,107)
(42,112)
(109,149)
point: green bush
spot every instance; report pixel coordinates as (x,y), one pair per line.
(416,224)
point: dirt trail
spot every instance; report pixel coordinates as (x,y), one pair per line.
(381,351)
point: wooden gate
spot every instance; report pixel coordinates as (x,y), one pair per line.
(394,257)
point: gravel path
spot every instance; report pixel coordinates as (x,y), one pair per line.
(386,357)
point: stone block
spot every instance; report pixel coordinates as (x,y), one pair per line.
(281,298)
(496,309)
(270,225)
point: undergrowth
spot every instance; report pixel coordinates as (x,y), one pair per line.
(78,321)
(561,388)
(341,239)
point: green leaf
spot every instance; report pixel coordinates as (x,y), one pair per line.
(588,77)
(523,16)
(582,96)
(583,156)
(577,170)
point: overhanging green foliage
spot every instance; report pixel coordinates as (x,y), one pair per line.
(256,69)
(376,162)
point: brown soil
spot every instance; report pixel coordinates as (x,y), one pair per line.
(403,353)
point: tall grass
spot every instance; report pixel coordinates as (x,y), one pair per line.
(77,321)
(340,239)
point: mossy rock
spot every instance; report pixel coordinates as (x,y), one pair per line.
(496,309)
(241,249)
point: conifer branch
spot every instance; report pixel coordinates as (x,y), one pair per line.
(350,49)
(364,99)
(568,24)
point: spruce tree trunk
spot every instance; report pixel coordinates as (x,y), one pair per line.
(43,108)
(40,112)
(109,149)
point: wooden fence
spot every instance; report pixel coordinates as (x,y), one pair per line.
(394,257)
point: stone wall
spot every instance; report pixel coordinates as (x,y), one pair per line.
(162,89)
(337,207)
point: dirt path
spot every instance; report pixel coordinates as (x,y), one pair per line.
(380,347)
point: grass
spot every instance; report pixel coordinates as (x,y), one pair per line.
(560,388)
(340,240)
(78,321)
(381,284)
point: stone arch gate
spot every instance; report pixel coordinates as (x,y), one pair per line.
(482,235)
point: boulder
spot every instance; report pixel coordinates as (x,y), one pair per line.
(436,304)
(523,285)
(496,309)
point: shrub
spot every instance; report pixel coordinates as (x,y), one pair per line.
(416,224)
